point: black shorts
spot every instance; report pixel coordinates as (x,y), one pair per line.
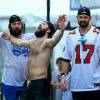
(37,90)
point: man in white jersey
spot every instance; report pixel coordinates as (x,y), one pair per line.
(15,60)
(81,50)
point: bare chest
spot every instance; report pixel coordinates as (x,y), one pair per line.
(36,48)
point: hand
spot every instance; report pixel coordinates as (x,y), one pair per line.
(61,22)
(56,24)
(62,18)
(5,36)
(61,25)
(63,84)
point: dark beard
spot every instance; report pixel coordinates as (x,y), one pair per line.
(83,25)
(16,32)
(40,33)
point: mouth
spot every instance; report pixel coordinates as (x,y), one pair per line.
(16,30)
(82,22)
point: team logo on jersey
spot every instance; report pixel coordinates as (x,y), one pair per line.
(17,51)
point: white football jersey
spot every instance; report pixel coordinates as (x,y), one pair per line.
(81,50)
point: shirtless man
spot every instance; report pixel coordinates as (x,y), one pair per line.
(39,57)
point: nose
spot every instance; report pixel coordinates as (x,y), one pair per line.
(82,18)
(39,27)
(17,25)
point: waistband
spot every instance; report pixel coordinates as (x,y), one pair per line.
(38,80)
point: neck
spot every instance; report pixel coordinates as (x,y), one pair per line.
(46,35)
(84,30)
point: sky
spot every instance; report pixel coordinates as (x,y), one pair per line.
(9,7)
(35,7)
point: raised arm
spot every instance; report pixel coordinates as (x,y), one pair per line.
(19,42)
(57,36)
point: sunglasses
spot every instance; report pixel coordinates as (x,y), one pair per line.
(83,39)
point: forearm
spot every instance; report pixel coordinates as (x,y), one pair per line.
(55,39)
(57,36)
(20,42)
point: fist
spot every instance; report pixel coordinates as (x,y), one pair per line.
(62,22)
(5,36)
(62,18)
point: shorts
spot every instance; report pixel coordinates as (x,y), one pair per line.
(11,92)
(37,90)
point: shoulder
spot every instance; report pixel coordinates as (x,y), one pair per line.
(55,72)
(95,30)
(71,34)
(66,33)
(28,36)
(74,32)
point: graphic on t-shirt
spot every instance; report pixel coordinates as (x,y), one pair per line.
(17,51)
